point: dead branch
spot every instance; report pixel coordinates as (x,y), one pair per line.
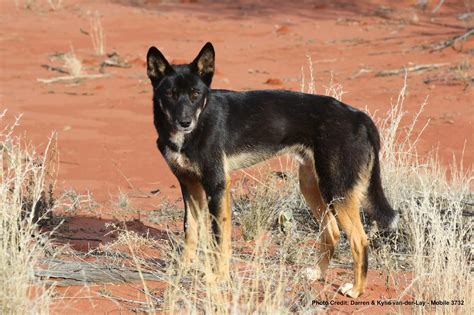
(415,68)
(438,6)
(79,272)
(121,299)
(466,16)
(450,80)
(73,78)
(453,40)
(115,60)
(52,68)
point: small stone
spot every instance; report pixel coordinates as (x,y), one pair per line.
(283,29)
(273,81)
(311,274)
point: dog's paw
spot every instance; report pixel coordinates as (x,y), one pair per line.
(347,289)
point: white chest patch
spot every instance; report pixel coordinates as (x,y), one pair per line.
(181,161)
(177,139)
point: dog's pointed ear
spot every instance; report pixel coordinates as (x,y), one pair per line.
(203,64)
(157,65)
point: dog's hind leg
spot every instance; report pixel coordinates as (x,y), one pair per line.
(328,226)
(194,202)
(347,214)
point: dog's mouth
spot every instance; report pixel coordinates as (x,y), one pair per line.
(185,130)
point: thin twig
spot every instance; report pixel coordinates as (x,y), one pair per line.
(52,68)
(144,194)
(120,299)
(453,40)
(438,6)
(466,16)
(73,77)
(415,68)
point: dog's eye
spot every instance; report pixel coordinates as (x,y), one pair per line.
(171,93)
(195,93)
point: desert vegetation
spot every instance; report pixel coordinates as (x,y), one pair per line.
(25,202)
(97,33)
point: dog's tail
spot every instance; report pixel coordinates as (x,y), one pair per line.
(378,206)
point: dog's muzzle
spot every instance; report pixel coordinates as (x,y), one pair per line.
(185,125)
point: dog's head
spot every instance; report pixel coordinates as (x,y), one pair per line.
(180,91)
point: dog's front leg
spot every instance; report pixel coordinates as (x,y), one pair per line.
(193,197)
(217,186)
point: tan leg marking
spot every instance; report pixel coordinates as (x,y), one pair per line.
(224,246)
(347,214)
(329,230)
(194,205)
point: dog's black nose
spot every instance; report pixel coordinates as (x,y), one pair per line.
(185,123)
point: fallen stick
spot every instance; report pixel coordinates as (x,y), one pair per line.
(449,80)
(453,40)
(121,299)
(51,68)
(466,16)
(112,63)
(78,272)
(440,3)
(415,68)
(73,77)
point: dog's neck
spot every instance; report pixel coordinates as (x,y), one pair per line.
(176,141)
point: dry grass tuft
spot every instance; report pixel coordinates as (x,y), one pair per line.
(261,279)
(23,203)
(259,203)
(123,202)
(55,4)
(72,64)
(97,33)
(432,199)
(71,201)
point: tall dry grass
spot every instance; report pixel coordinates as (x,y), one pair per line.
(23,202)
(432,199)
(54,5)
(264,279)
(97,33)
(72,64)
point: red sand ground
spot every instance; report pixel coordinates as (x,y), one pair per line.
(106,138)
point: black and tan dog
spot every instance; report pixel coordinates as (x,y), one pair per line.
(204,134)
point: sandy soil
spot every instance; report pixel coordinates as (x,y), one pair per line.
(106,138)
